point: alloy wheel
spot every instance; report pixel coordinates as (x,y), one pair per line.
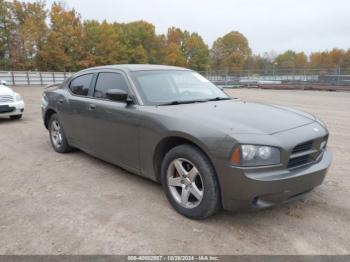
(56,134)
(185,183)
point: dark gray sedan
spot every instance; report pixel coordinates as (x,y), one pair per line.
(173,126)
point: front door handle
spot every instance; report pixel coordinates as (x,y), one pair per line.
(60,101)
(92,107)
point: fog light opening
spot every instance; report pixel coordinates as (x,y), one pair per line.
(255,201)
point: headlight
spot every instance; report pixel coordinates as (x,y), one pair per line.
(18,97)
(254,155)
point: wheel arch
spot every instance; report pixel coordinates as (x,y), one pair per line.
(170,141)
(49,112)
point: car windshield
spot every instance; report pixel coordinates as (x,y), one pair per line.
(175,87)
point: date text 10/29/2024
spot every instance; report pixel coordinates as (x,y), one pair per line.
(173,258)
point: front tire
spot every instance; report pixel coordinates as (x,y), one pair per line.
(57,136)
(189,182)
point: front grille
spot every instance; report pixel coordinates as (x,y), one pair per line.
(306,152)
(302,147)
(298,161)
(6,98)
(6,109)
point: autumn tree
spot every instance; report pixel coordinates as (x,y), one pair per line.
(29,42)
(230,52)
(336,58)
(63,48)
(31,32)
(174,55)
(175,39)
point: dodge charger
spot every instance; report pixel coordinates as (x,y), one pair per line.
(172,125)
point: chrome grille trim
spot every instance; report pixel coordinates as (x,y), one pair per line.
(306,153)
(6,98)
(303,147)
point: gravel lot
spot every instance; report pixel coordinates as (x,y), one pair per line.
(75,204)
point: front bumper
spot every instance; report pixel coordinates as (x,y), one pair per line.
(258,188)
(17,108)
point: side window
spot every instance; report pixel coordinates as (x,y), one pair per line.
(80,85)
(107,81)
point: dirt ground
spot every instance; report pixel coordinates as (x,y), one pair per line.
(75,204)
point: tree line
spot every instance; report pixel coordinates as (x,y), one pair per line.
(33,37)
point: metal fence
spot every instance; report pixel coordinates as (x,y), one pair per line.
(14,78)
(285,78)
(290,77)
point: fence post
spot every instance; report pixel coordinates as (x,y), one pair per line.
(28,81)
(13,78)
(248,77)
(41,78)
(226,78)
(53,77)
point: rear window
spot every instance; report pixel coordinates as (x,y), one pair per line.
(81,84)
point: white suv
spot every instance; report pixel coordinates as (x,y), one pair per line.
(11,103)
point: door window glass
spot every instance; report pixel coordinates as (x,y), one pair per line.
(107,81)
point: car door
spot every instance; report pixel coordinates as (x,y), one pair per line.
(113,126)
(73,109)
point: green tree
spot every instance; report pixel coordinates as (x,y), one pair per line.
(230,52)
(139,56)
(186,49)
(258,64)
(347,61)
(7,25)
(141,34)
(196,52)
(103,44)
(291,60)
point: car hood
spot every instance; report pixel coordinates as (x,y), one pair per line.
(235,116)
(4,90)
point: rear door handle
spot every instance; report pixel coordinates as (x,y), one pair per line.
(92,107)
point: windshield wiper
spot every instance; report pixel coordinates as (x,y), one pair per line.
(219,98)
(179,102)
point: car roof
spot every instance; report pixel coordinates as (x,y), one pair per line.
(136,67)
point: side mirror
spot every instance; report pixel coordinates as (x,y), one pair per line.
(118,95)
(3,82)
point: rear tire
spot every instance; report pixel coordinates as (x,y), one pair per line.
(190,182)
(15,117)
(57,136)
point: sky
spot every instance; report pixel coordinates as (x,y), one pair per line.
(279,25)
